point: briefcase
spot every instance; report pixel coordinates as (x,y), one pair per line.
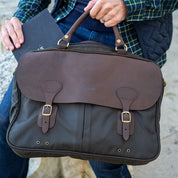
(88,101)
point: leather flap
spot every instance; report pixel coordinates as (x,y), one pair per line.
(90,78)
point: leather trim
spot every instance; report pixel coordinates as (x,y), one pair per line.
(89,78)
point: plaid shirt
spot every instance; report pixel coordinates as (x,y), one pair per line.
(137,10)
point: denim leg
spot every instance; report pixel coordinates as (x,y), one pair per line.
(108,170)
(11,165)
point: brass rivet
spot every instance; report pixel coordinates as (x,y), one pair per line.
(128,150)
(66,36)
(119,149)
(46,143)
(37,142)
(118,41)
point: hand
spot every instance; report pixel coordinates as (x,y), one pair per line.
(13,29)
(109,12)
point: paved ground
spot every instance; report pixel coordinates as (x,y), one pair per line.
(166,166)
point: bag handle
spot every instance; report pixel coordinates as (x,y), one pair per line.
(67,37)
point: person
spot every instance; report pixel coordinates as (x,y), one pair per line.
(136,21)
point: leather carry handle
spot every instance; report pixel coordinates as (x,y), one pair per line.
(67,37)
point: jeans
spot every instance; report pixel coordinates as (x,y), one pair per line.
(12,165)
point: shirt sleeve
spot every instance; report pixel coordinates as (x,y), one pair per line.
(29,8)
(139,10)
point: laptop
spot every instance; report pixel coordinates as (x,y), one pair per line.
(40,32)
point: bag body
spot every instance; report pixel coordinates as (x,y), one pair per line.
(86,101)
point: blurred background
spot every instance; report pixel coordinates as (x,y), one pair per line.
(164,167)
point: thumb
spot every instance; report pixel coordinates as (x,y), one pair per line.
(90,5)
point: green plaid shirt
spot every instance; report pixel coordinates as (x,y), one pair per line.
(137,10)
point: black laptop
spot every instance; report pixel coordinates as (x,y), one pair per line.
(40,32)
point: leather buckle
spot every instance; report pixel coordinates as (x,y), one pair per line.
(46,106)
(122,117)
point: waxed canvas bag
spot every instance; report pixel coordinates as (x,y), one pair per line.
(87,101)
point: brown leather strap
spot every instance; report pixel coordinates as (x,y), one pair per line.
(45,124)
(50,89)
(67,37)
(126,130)
(120,124)
(126,97)
(48,121)
(43,121)
(118,39)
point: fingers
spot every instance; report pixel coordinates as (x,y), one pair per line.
(109,12)
(12,29)
(18,29)
(96,9)
(113,21)
(12,34)
(106,17)
(104,10)
(90,5)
